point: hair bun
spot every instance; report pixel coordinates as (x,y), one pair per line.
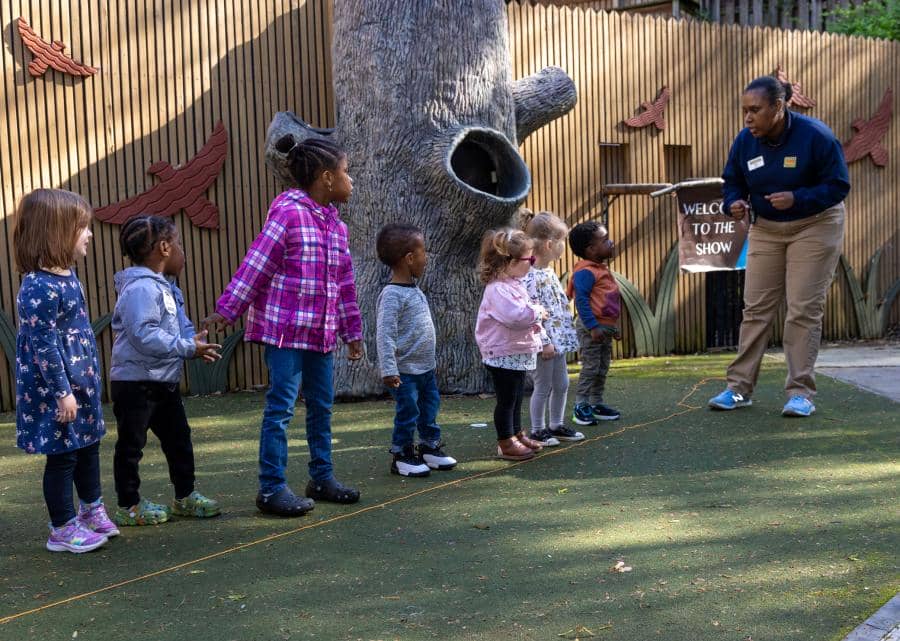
(788,92)
(285,144)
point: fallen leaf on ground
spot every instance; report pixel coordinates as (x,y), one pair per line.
(578,632)
(620,567)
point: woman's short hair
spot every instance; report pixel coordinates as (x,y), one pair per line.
(772,88)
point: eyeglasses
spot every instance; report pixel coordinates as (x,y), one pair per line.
(531,259)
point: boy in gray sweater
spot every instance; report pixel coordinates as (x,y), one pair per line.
(406,349)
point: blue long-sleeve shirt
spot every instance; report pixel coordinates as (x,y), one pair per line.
(806,159)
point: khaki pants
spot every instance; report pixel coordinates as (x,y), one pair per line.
(794,261)
(595,360)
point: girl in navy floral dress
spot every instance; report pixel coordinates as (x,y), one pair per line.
(58,390)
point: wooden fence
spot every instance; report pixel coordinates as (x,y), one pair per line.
(170,70)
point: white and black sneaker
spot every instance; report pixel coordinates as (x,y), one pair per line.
(435,457)
(408,463)
(544,437)
(564,433)
(605,412)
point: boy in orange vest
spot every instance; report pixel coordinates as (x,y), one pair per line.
(598,304)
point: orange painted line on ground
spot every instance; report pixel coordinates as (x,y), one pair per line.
(272,537)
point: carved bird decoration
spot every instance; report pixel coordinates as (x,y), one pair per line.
(50,54)
(653,112)
(179,188)
(798,99)
(867,139)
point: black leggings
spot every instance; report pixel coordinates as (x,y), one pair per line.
(509,385)
(142,405)
(81,467)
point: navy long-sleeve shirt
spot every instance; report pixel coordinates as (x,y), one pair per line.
(806,159)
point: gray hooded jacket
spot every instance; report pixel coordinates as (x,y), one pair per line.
(153,335)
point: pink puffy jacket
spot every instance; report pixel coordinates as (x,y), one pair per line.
(508,322)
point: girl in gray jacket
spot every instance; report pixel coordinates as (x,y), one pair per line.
(153,337)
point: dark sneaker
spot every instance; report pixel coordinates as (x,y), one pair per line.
(544,437)
(564,433)
(331,491)
(583,414)
(408,463)
(604,412)
(284,503)
(435,457)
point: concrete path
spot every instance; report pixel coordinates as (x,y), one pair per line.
(884,625)
(874,367)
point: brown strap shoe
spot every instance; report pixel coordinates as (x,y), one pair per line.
(527,441)
(510,449)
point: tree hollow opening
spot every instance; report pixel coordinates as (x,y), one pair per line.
(485,162)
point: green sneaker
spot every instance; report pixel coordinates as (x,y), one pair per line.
(195,504)
(144,513)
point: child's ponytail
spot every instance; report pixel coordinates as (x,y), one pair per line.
(545,225)
(308,158)
(498,248)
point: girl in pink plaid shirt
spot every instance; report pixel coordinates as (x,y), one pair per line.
(297,283)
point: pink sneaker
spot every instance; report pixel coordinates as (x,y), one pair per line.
(96,519)
(75,537)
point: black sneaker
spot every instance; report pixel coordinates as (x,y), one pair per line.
(331,491)
(604,412)
(435,457)
(544,437)
(408,463)
(564,433)
(284,503)
(583,414)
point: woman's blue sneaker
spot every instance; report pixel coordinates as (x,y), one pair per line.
(729,400)
(798,406)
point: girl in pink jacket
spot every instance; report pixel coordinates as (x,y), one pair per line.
(508,332)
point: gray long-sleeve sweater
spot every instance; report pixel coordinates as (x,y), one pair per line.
(405,331)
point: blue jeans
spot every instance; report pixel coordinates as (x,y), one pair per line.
(417,401)
(287,369)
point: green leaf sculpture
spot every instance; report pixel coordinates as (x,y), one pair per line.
(210,378)
(872,312)
(654,330)
(8,341)
(100,324)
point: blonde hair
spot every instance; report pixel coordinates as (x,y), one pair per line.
(544,226)
(48,222)
(498,248)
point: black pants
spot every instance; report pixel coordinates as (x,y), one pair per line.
(139,405)
(81,467)
(509,385)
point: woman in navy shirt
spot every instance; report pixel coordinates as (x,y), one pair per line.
(787,172)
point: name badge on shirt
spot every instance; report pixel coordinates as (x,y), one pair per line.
(169,302)
(755,163)
(790,162)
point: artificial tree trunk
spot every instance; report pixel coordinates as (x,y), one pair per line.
(429,118)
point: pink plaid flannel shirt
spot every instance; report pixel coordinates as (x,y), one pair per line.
(296,279)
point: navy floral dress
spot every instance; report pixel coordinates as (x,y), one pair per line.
(56,354)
